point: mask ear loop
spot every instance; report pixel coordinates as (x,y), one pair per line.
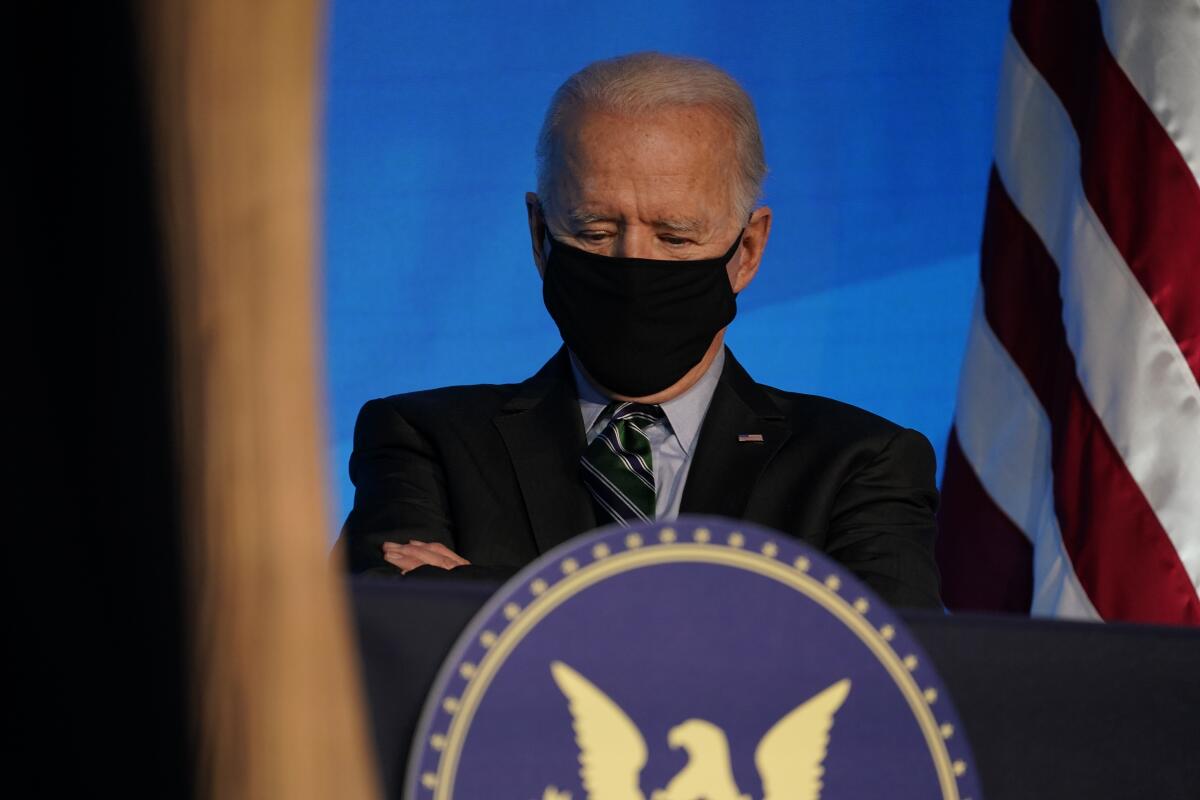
(547,240)
(738,241)
(741,235)
(733,248)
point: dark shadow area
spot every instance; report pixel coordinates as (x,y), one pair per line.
(99,609)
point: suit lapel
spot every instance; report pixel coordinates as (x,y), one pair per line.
(543,431)
(724,469)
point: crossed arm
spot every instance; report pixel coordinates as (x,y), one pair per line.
(399,521)
(881,522)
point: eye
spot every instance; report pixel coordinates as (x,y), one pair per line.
(594,237)
(674,241)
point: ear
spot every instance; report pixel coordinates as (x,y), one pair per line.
(754,242)
(537,231)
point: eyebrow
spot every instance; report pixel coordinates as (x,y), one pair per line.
(681,225)
(583,217)
(678,225)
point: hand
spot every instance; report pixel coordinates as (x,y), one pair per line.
(408,557)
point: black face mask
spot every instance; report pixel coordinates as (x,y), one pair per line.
(637,324)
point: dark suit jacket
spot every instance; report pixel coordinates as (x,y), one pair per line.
(492,472)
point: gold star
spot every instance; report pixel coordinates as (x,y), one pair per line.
(450,704)
(931,695)
(600,551)
(861,605)
(947,730)
(467,670)
(833,582)
(770,550)
(702,535)
(633,541)
(801,564)
(960,767)
(569,565)
(437,742)
(511,610)
(429,780)
(736,540)
(667,535)
(487,638)
(887,632)
(910,661)
(537,586)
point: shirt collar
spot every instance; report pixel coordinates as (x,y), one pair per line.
(685,413)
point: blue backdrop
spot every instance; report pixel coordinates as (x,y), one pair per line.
(877,118)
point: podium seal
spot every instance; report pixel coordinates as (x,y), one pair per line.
(697,659)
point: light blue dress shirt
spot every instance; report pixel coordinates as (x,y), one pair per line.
(673,439)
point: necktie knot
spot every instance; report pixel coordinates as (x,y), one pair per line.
(637,413)
(618,466)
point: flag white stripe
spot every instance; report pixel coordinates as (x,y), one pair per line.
(1157,45)
(1130,367)
(1004,435)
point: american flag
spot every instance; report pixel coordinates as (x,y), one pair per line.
(1072,482)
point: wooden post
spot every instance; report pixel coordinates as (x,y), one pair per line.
(234,92)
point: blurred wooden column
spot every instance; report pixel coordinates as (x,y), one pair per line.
(234,89)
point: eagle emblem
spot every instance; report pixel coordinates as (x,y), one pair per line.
(612,751)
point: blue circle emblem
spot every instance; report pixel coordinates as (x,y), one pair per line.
(702,658)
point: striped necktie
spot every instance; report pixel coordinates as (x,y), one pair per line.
(618,467)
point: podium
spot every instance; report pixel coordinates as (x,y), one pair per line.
(1052,709)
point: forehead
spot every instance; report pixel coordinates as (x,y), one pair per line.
(678,160)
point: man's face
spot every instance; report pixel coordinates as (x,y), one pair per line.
(651,186)
(656,186)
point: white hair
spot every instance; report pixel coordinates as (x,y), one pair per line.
(641,83)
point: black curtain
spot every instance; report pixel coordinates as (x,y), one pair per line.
(98,597)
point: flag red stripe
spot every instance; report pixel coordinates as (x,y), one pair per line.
(1120,552)
(985,560)
(1133,175)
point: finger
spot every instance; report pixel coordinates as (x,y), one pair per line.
(439,554)
(426,555)
(404,563)
(400,549)
(438,547)
(397,545)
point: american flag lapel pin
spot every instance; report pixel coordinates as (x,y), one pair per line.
(750,437)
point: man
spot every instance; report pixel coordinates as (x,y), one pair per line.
(644,230)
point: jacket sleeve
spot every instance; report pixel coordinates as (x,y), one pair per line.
(399,489)
(882,526)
